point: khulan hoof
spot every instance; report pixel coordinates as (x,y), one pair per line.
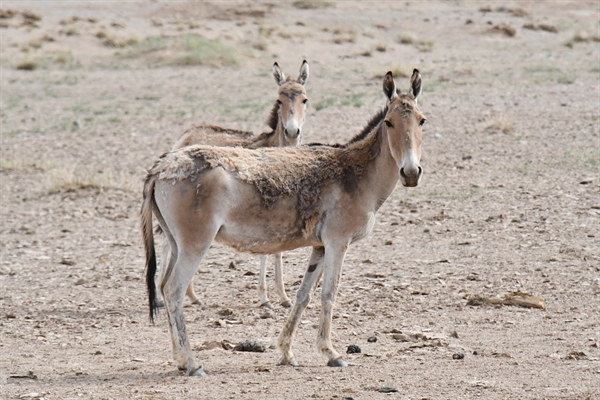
(338,362)
(197,302)
(160,304)
(287,304)
(197,372)
(291,362)
(267,304)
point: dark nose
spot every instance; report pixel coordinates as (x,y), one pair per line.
(292,134)
(411,175)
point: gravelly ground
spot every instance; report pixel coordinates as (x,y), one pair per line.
(510,200)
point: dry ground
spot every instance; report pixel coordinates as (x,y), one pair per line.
(510,200)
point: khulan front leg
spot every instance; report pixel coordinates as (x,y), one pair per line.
(331,277)
(286,337)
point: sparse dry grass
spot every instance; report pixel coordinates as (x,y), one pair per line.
(15,163)
(117,40)
(411,38)
(582,37)
(501,123)
(341,36)
(120,42)
(69,31)
(397,72)
(185,50)
(72,178)
(11,164)
(582,159)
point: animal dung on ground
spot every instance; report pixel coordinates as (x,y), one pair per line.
(353,349)
(458,356)
(372,339)
(250,345)
(511,299)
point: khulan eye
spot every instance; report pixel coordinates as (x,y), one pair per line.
(389,124)
(422,122)
(278,101)
(305,101)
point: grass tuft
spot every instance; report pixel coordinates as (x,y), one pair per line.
(501,124)
(588,159)
(10,164)
(397,72)
(312,4)
(410,38)
(28,65)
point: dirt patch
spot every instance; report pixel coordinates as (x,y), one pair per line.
(509,202)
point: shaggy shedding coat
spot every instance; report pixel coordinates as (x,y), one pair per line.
(301,171)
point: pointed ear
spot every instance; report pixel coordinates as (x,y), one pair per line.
(278,74)
(415,84)
(303,77)
(389,86)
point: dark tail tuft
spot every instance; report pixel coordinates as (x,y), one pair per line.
(150,272)
(146,225)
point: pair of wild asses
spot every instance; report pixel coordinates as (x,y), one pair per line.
(267,194)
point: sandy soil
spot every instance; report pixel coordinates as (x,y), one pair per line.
(510,200)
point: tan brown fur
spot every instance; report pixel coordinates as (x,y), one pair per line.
(288,111)
(217,136)
(301,171)
(277,199)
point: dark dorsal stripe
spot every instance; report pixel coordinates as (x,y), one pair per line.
(376,120)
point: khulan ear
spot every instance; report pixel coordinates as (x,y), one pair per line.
(415,84)
(303,77)
(278,74)
(389,86)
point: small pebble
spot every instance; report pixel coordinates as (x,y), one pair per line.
(372,339)
(476,353)
(458,356)
(388,389)
(353,349)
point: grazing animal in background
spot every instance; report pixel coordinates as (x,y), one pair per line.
(276,199)
(286,120)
